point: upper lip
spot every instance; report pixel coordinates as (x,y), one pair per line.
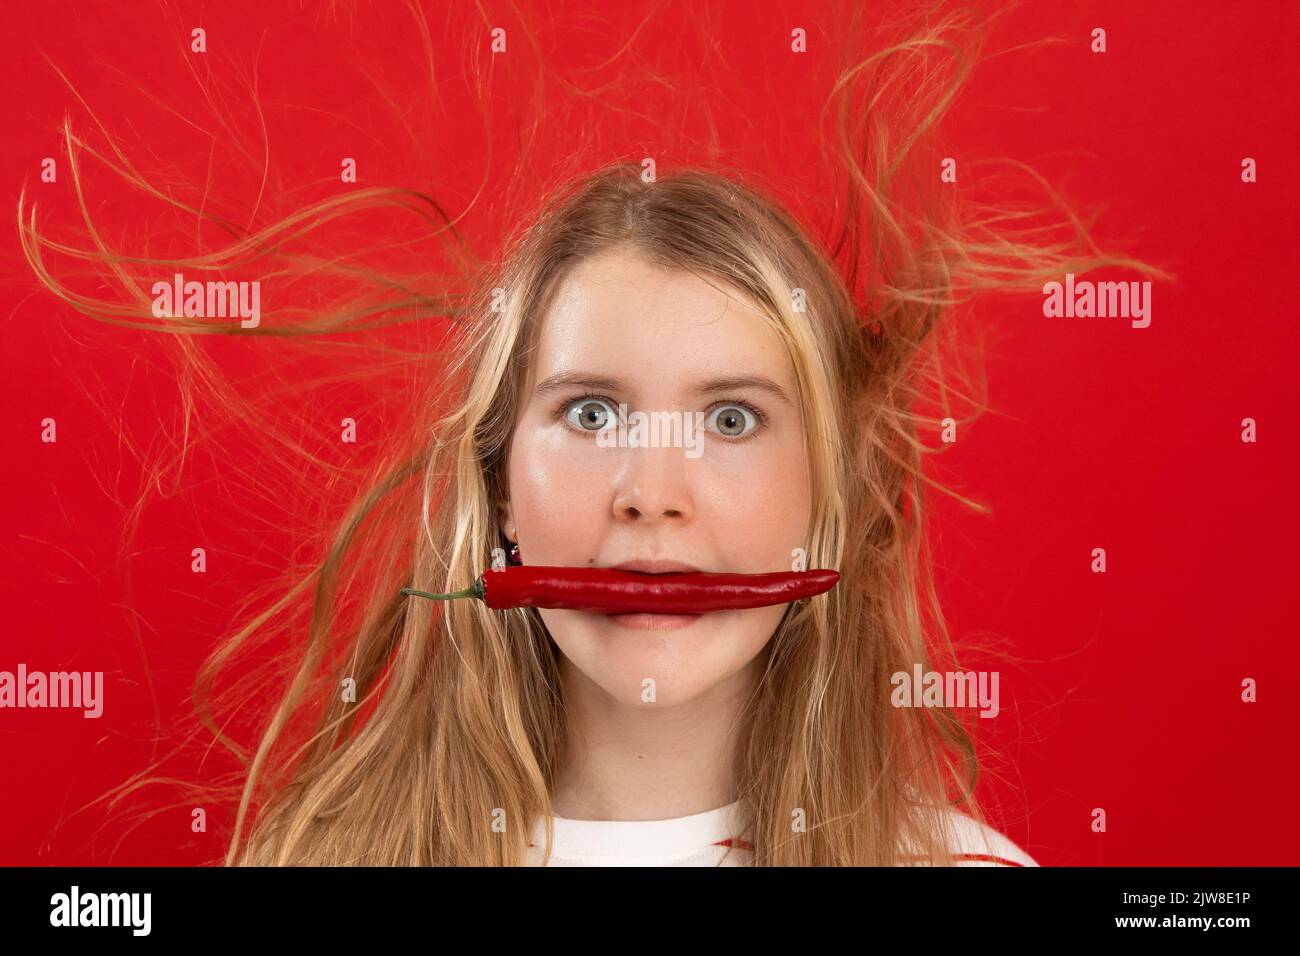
(656,566)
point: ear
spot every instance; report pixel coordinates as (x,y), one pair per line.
(506,520)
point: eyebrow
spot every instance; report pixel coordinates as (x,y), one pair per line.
(562,380)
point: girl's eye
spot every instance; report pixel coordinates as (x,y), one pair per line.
(732,421)
(590,414)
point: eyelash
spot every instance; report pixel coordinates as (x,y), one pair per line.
(759,416)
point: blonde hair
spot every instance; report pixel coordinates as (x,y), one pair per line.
(459,720)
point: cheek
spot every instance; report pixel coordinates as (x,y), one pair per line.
(554,490)
(759,505)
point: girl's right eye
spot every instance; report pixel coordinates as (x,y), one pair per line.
(590,414)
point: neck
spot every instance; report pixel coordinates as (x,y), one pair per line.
(634,760)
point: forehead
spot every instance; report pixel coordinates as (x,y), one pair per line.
(619,313)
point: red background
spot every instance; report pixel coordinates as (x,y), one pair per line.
(1124,691)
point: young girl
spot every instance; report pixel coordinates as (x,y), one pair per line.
(763,736)
(679,295)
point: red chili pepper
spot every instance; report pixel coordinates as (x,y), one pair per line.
(602,590)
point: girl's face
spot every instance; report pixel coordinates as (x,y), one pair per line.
(732,496)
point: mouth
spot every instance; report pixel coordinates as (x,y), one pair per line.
(653,622)
(643,621)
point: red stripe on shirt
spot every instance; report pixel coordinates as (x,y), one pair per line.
(737,843)
(987,858)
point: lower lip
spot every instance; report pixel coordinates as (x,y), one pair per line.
(654,622)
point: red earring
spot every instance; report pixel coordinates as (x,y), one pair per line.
(514,552)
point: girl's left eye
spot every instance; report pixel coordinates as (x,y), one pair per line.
(732,421)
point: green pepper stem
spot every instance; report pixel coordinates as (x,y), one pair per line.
(468,592)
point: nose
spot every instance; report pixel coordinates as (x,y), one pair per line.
(652,484)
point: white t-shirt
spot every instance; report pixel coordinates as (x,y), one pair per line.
(702,839)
